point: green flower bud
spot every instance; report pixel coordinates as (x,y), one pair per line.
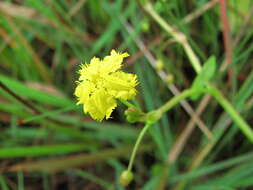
(159,65)
(170,79)
(145,26)
(134,115)
(126,178)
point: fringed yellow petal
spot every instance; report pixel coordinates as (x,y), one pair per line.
(115,57)
(100,105)
(90,71)
(121,85)
(81,93)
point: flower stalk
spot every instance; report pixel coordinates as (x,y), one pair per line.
(137,143)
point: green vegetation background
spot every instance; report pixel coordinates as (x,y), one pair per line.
(47,142)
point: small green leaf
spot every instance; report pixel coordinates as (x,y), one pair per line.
(205,75)
(209,68)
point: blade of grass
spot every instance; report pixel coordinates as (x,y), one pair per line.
(34,151)
(59,164)
(3,184)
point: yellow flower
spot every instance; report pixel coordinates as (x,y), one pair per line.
(101,82)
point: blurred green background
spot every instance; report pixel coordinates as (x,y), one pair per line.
(46,141)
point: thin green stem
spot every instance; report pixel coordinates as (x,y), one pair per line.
(176,99)
(177,35)
(181,39)
(126,103)
(242,124)
(137,143)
